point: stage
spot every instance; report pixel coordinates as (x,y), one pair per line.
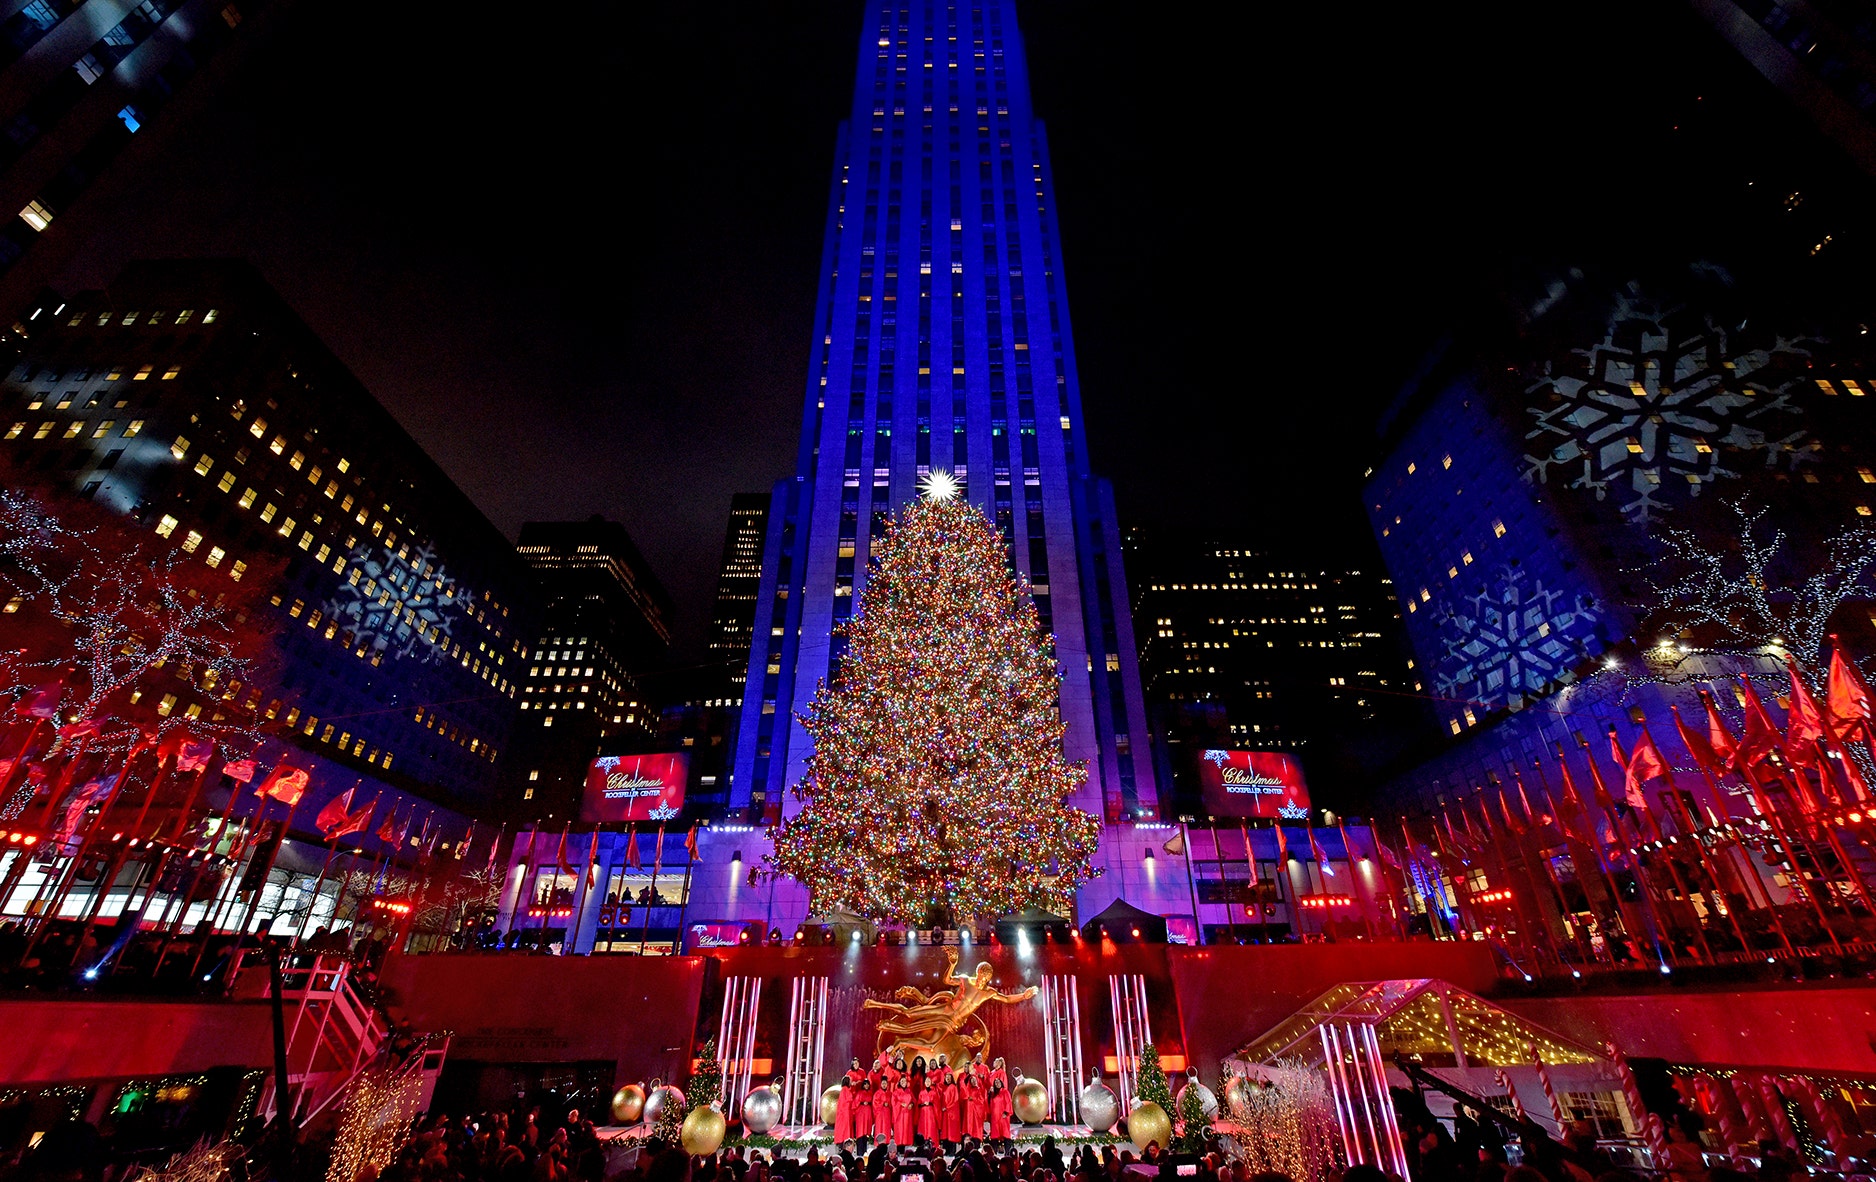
(796,1140)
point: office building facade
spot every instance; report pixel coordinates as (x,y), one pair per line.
(87,93)
(942,342)
(739,582)
(1240,648)
(604,627)
(1527,489)
(190,398)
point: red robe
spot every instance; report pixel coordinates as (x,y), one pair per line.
(843,1107)
(863,1114)
(928,1113)
(953,1130)
(902,1112)
(976,1103)
(1000,1108)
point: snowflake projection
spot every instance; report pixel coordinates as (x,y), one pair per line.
(1653,410)
(399,602)
(1511,638)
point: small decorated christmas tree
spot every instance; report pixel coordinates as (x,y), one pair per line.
(1151,1086)
(938,790)
(706,1086)
(1195,1132)
(668,1133)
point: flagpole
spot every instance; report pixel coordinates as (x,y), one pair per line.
(657,860)
(1619,914)
(1218,854)
(1804,888)
(273,857)
(547,904)
(70,875)
(583,889)
(1674,869)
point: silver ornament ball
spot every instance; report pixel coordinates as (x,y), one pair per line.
(654,1103)
(1207,1101)
(1100,1107)
(762,1109)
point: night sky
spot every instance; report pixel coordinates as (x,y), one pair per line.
(577,257)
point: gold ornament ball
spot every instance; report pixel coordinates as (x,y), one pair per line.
(1148,1124)
(1031,1102)
(830,1104)
(628,1104)
(702,1131)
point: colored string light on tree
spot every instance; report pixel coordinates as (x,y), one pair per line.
(938,788)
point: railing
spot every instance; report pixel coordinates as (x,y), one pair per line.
(333,1034)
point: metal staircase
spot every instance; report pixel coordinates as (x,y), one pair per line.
(334,1035)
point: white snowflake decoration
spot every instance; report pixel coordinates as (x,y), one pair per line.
(1511,638)
(1654,406)
(403,606)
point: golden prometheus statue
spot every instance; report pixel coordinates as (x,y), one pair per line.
(936,1023)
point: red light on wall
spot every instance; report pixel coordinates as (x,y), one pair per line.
(1324,902)
(1498,896)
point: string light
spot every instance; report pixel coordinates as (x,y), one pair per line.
(938,782)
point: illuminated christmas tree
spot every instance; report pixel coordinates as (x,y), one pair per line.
(938,791)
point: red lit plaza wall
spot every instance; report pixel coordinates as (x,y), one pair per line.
(636,1011)
(1231,994)
(66,1041)
(1826,1028)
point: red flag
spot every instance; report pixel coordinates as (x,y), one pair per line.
(1804,722)
(352,822)
(1565,825)
(185,751)
(1604,801)
(690,843)
(1645,763)
(1315,851)
(40,701)
(1572,799)
(80,801)
(1762,737)
(387,832)
(1847,695)
(336,813)
(1524,799)
(631,848)
(81,730)
(560,855)
(1701,750)
(1283,845)
(240,769)
(1718,737)
(1512,823)
(285,784)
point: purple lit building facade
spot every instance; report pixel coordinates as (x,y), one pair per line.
(942,342)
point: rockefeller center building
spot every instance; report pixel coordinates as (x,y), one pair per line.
(1528,489)
(189,397)
(942,343)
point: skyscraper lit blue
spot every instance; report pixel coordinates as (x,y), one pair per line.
(942,341)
